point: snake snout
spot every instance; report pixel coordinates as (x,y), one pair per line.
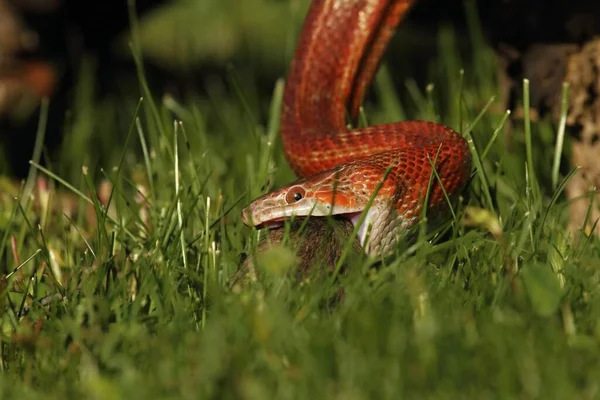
(246,216)
(254,221)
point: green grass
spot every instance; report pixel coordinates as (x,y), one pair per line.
(135,302)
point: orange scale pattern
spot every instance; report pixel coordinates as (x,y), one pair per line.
(339,50)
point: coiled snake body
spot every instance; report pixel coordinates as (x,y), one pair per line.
(338,52)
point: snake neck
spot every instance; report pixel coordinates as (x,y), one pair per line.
(347,38)
(380,229)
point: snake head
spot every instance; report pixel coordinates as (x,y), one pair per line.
(327,193)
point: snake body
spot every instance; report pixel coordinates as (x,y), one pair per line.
(340,169)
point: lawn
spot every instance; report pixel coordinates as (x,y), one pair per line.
(126,290)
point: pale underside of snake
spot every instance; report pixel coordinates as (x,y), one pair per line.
(341,169)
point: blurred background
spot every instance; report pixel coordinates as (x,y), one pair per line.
(78,55)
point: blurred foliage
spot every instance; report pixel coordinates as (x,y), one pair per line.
(185,33)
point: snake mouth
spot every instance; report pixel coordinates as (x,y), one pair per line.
(277,223)
(272,224)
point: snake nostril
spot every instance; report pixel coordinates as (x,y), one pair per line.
(245,216)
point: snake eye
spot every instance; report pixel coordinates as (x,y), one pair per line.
(295,194)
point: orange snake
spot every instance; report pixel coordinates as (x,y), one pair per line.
(338,52)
